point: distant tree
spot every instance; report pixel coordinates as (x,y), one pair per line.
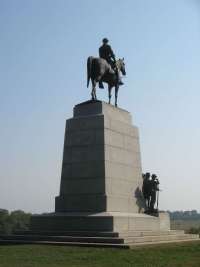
(194,230)
(16,220)
(194,212)
(184,215)
(5,227)
(20,220)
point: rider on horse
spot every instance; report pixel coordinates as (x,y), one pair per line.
(106,52)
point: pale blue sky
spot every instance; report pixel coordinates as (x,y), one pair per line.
(43,52)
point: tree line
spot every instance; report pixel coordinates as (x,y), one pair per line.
(13,221)
(184,215)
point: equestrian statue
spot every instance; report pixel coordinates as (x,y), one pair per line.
(105,69)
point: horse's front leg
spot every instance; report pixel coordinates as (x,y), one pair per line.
(116,94)
(109,93)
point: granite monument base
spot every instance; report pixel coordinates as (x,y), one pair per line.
(100,222)
(101,176)
(100,200)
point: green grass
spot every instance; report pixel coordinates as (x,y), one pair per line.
(170,255)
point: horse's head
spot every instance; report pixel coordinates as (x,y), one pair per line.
(121,65)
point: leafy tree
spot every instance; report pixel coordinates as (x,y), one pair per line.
(184,215)
(5,227)
(19,220)
(194,230)
(16,220)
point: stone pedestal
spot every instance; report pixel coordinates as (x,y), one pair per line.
(100,201)
(101,176)
(101,168)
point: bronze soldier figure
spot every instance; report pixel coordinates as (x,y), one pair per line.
(154,190)
(146,189)
(106,52)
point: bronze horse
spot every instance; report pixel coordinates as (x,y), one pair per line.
(99,69)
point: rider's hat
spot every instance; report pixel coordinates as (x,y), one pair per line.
(154,176)
(105,40)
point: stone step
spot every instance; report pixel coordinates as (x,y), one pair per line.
(77,244)
(100,234)
(69,233)
(103,245)
(97,239)
(160,238)
(163,242)
(84,239)
(150,233)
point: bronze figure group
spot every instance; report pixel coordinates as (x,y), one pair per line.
(150,190)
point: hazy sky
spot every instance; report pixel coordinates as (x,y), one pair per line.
(43,50)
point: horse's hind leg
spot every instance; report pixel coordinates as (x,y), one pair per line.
(109,94)
(116,94)
(93,94)
(93,90)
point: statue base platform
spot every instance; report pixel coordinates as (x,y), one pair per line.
(100,201)
(100,222)
(105,229)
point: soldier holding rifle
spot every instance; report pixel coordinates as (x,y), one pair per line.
(150,190)
(154,191)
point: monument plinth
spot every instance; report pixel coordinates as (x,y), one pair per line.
(101,176)
(100,201)
(101,168)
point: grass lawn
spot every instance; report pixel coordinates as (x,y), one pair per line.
(169,255)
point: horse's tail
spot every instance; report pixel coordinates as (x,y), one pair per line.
(89,67)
